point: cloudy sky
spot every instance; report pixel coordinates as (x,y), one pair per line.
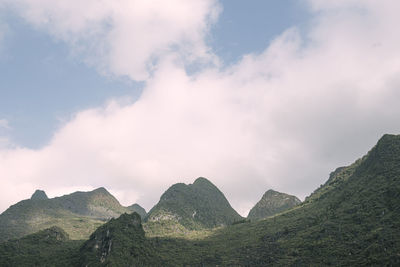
(137,95)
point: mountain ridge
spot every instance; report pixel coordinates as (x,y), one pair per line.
(79,213)
(351,220)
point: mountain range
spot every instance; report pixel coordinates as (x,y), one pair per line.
(351,220)
(79,213)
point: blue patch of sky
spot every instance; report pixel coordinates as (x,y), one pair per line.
(41,82)
(249,26)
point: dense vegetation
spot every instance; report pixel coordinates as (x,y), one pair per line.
(79,214)
(50,247)
(352,220)
(195,206)
(271,203)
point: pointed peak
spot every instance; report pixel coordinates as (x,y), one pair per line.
(201,180)
(271,192)
(101,190)
(39,195)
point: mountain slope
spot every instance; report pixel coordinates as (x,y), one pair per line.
(195,206)
(352,220)
(271,203)
(138,209)
(79,214)
(49,247)
(119,242)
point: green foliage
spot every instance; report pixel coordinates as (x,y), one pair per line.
(195,206)
(79,214)
(271,203)
(353,220)
(50,247)
(120,242)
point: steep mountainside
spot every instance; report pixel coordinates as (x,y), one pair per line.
(352,220)
(79,213)
(118,237)
(138,209)
(271,203)
(195,206)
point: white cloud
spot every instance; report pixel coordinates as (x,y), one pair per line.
(126,37)
(282,119)
(4,124)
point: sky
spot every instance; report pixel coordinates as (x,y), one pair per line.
(138,95)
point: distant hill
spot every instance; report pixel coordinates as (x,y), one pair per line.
(138,209)
(79,213)
(195,206)
(271,203)
(351,220)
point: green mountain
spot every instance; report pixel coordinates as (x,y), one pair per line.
(79,213)
(111,243)
(49,247)
(352,220)
(138,209)
(195,206)
(271,203)
(39,195)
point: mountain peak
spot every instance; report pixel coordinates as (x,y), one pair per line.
(202,180)
(197,205)
(101,190)
(121,236)
(271,203)
(39,195)
(270,192)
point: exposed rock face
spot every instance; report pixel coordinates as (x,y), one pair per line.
(271,203)
(39,195)
(197,205)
